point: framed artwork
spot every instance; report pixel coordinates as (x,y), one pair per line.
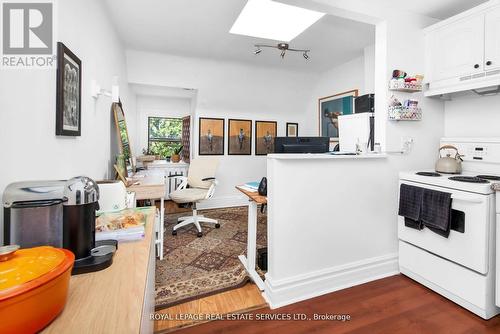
(240,137)
(265,133)
(69,93)
(330,108)
(211,136)
(292,129)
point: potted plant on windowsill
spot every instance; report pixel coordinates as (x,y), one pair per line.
(176,157)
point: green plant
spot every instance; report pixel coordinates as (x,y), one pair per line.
(178,149)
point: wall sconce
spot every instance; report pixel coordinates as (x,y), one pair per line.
(97,91)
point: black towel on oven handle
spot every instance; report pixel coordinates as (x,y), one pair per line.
(410,205)
(436,211)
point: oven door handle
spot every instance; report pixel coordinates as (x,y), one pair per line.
(469,200)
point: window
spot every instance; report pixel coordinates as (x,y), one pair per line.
(164,135)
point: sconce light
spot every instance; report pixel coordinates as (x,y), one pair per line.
(97,91)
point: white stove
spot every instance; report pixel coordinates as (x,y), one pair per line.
(462,266)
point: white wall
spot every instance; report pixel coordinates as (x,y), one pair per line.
(156,106)
(29,148)
(472,116)
(229,90)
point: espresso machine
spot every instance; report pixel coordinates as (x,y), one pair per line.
(59,214)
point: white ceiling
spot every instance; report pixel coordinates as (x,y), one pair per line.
(439,9)
(200,28)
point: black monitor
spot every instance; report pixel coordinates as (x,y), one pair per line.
(301,144)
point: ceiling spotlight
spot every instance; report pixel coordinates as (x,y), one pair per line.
(283,47)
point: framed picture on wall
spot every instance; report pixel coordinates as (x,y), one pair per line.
(211,136)
(69,93)
(330,108)
(265,133)
(292,129)
(240,137)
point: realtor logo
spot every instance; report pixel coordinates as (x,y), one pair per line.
(27,34)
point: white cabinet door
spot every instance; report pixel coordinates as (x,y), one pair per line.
(458,49)
(492,38)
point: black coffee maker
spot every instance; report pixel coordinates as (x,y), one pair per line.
(81,195)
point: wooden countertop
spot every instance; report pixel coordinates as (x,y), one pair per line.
(253,195)
(111,300)
(150,185)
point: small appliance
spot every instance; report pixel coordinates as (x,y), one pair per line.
(112,196)
(461,267)
(59,214)
(449,164)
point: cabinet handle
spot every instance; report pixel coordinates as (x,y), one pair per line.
(489,62)
(476,66)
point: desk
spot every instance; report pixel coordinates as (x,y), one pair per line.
(117,299)
(249,260)
(151,186)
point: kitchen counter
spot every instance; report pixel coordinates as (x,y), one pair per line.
(117,299)
(325,156)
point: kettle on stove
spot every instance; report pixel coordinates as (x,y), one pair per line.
(449,164)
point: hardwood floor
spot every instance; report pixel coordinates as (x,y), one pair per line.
(244,299)
(390,305)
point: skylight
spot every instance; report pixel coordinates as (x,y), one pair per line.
(273,20)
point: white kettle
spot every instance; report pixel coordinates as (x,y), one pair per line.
(449,164)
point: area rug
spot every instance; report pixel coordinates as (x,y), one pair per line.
(195,267)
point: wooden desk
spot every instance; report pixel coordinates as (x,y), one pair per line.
(151,186)
(118,299)
(249,260)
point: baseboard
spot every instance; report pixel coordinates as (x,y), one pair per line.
(283,292)
(223,202)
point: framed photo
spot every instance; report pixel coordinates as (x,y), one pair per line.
(265,133)
(240,137)
(330,108)
(211,136)
(292,129)
(69,93)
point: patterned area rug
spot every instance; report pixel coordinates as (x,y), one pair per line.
(195,267)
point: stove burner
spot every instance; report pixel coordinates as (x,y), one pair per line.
(428,174)
(470,179)
(489,177)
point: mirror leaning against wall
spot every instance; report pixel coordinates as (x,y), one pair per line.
(124,162)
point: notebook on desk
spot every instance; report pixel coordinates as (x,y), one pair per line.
(250,186)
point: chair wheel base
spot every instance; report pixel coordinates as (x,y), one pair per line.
(217,225)
(174,232)
(199,234)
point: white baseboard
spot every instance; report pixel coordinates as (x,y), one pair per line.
(223,202)
(283,292)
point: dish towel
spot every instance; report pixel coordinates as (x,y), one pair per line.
(436,211)
(410,205)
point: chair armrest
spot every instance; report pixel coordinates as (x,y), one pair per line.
(209,179)
(177,177)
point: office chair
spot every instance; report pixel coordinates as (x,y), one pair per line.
(198,186)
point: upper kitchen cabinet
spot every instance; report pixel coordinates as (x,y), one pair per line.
(492,40)
(463,52)
(457,49)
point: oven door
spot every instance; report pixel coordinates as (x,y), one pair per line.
(467,243)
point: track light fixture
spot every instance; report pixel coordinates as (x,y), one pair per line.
(284,47)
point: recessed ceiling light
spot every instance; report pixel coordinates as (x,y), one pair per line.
(273,20)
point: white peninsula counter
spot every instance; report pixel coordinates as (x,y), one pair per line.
(331,223)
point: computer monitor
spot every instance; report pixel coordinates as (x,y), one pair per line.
(301,144)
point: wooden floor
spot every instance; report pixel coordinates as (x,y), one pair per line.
(391,305)
(244,299)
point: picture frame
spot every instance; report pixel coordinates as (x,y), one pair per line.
(69,93)
(239,137)
(330,107)
(265,133)
(292,129)
(211,133)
